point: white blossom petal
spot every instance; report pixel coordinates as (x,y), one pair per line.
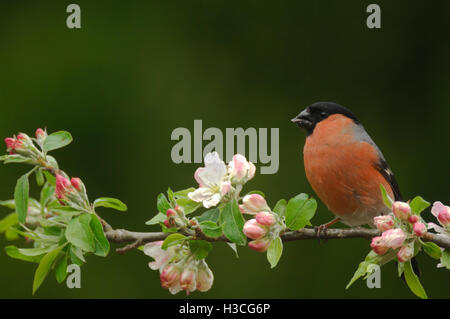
(212,201)
(200,194)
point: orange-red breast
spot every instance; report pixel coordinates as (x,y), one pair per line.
(343,164)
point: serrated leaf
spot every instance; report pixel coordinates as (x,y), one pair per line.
(274,251)
(46,194)
(210,215)
(158,218)
(109,202)
(13,252)
(280,207)
(388,201)
(36,251)
(8,203)
(445,259)
(61,270)
(432,250)
(413,281)
(7,222)
(162,203)
(188,205)
(232,223)
(171,240)
(183,193)
(79,233)
(15,158)
(211,229)
(76,255)
(418,204)
(101,243)
(21,197)
(299,211)
(44,267)
(200,248)
(56,140)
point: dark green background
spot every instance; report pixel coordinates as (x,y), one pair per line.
(139,69)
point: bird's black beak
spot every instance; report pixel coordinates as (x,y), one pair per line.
(304,120)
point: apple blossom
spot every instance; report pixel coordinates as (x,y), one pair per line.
(419,229)
(266,218)
(394,238)
(378,245)
(160,256)
(383,223)
(241,170)
(405,253)
(252,229)
(188,280)
(212,180)
(401,210)
(442,213)
(253,204)
(169,275)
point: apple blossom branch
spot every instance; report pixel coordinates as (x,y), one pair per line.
(140,238)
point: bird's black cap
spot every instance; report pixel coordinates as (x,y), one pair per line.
(313,114)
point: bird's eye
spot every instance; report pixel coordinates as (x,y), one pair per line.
(324,114)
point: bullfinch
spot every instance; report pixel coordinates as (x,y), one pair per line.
(344,166)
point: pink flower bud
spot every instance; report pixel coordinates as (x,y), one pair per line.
(62,186)
(171,213)
(265,218)
(252,229)
(413,219)
(22,137)
(179,209)
(402,210)
(169,276)
(259,245)
(188,280)
(167,223)
(383,223)
(10,142)
(394,238)
(378,245)
(240,169)
(442,213)
(405,253)
(253,204)
(76,182)
(444,218)
(419,229)
(41,135)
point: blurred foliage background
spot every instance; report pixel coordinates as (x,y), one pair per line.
(136,70)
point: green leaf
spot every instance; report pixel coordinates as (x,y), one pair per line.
(366,267)
(413,281)
(21,197)
(8,203)
(170,194)
(46,193)
(61,270)
(36,251)
(109,202)
(233,223)
(7,222)
(274,252)
(188,205)
(388,201)
(233,248)
(173,239)
(79,233)
(101,243)
(162,204)
(210,215)
(445,259)
(432,250)
(183,193)
(56,140)
(211,229)
(11,235)
(44,267)
(299,211)
(418,204)
(40,177)
(158,218)
(15,158)
(13,252)
(280,207)
(200,248)
(52,162)
(50,178)
(76,255)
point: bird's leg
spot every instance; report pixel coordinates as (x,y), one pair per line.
(324,227)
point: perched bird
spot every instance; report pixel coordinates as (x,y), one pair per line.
(344,166)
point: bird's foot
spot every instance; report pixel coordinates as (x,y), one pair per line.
(324,227)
